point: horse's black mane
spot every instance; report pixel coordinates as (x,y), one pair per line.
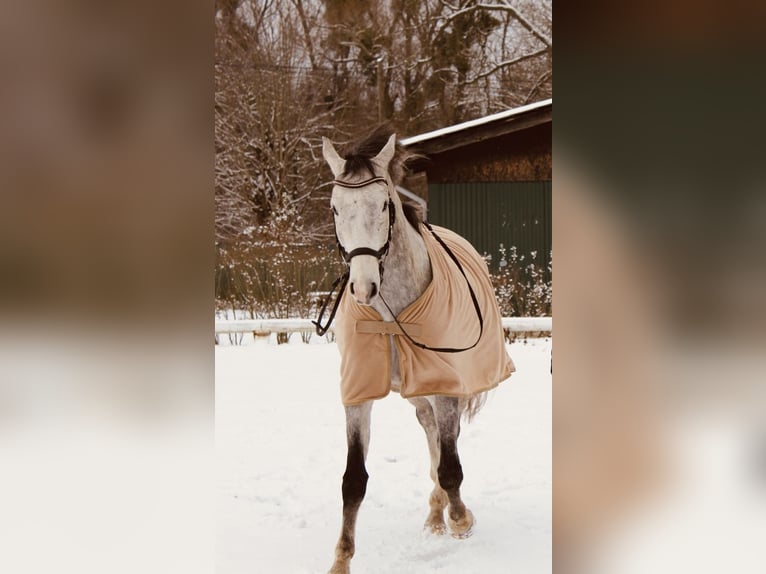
(360,151)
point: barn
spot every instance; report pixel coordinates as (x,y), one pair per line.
(489,179)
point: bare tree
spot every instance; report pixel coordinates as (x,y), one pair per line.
(289,72)
(268,122)
(431,63)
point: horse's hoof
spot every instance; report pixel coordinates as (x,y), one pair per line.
(437,528)
(463,535)
(463,527)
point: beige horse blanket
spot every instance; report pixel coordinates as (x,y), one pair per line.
(443,316)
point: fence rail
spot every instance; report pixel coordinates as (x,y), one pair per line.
(516,324)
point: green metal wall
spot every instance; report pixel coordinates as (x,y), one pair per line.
(491,213)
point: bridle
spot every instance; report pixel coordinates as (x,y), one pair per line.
(380,255)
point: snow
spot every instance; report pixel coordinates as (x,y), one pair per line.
(281,449)
(505,114)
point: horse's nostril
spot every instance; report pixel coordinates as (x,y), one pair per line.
(374,290)
(352,288)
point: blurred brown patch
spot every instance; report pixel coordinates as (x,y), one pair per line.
(106,158)
(606,451)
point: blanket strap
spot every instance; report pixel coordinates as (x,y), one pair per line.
(473,298)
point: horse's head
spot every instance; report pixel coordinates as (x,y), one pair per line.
(363,208)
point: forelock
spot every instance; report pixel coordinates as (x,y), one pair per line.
(359,152)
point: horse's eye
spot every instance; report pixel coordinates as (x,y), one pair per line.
(335,211)
(385,205)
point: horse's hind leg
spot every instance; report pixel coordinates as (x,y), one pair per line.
(447,411)
(438,499)
(354,482)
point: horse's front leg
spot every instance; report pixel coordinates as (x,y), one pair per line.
(438,499)
(447,411)
(354,482)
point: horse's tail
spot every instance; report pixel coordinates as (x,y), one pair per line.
(474,405)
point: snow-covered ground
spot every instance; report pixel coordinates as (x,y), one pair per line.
(281,449)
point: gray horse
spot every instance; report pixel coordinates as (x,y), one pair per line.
(376,231)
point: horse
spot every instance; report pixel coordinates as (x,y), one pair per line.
(382,239)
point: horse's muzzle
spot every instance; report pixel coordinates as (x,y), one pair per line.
(364,292)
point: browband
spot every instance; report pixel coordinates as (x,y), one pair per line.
(342,183)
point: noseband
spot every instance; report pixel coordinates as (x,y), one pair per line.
(379,254)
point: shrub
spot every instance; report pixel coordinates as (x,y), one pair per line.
(523,284)
(270,281)
(282,281)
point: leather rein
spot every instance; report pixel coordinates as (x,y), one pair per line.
(380,255)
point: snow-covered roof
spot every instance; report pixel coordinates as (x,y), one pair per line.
(500,116)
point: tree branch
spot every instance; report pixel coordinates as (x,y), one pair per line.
(537,85)
(506,64)
(502,6)
(306,32)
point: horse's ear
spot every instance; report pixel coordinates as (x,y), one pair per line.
(385,155)
(332,158)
